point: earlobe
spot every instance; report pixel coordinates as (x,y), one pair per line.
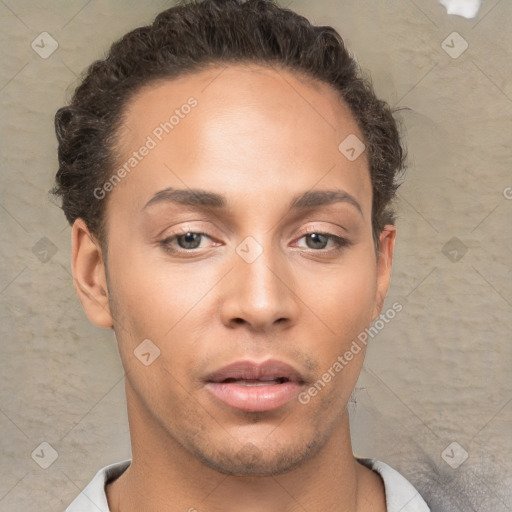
(89,275)
(384,264)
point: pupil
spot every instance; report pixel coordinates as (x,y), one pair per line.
(316,239)
(190,240)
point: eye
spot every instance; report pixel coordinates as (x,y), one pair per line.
(186,241)
(320,240)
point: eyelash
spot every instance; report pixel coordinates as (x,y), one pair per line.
(341,243)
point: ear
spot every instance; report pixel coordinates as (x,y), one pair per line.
(384,263)
(89,275)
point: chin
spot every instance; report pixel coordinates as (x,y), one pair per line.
(253,460)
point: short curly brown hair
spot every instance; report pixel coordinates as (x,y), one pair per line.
(188,38)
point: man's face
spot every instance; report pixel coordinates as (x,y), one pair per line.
(263,282)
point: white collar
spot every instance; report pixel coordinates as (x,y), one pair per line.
(401,496)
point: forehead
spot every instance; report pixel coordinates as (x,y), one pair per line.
(244,86)
(251,127)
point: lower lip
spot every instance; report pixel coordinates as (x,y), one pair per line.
(254,398)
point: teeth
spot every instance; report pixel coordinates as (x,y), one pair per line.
(256,382)
(263,381)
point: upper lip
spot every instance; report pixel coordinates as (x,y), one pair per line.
(271,369)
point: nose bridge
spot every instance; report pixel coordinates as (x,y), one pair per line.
(261,293)
(260,276)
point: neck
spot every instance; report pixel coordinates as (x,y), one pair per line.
(164,476)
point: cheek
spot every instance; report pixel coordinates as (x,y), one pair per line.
(164,303)
(150,293)
(342,298)
(343,304)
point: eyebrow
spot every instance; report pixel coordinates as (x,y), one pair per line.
(205,199)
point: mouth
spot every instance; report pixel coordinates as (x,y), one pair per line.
(264,381)
(256,387)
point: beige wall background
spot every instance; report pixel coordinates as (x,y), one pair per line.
(436,388)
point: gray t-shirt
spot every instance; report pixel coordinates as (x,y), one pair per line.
(401,496)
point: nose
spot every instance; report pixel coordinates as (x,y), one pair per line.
(259,294)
